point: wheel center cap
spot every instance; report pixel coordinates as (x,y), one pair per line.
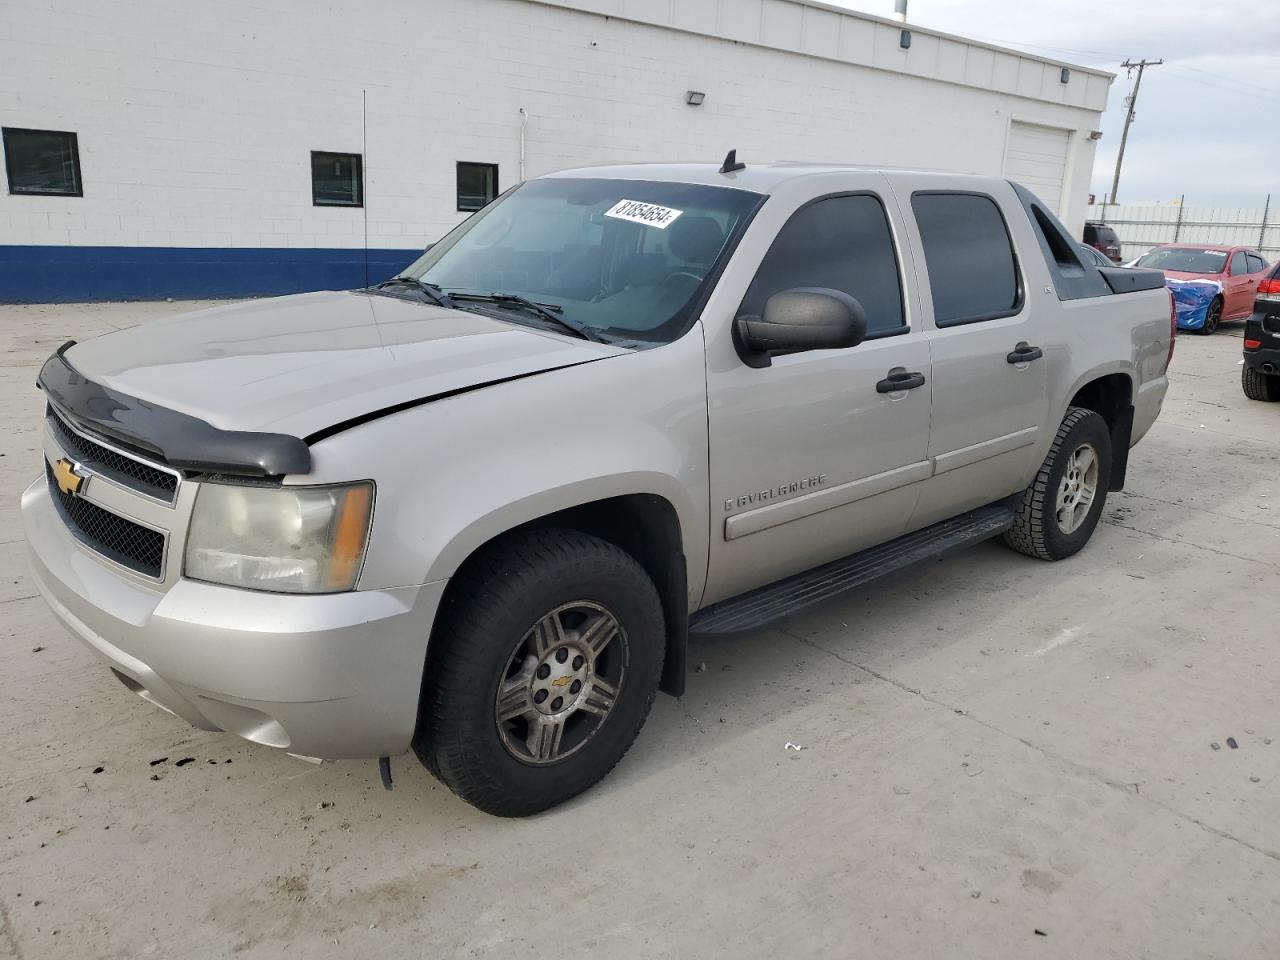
(557,684)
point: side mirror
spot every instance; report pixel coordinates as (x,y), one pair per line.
(803,318)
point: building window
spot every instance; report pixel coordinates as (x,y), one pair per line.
(477,184)
(337,179)
(42,162)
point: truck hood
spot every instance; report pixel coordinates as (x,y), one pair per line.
(297,365)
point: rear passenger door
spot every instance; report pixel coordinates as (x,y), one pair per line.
(989,372)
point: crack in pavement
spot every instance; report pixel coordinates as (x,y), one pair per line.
(1188,543)
(1187,506)
(29,596)
(1080,769)
(6,928)
(1230,436)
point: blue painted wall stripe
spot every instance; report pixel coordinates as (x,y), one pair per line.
(50,274)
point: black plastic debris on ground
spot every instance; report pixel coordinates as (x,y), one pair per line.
(184,761)
(1231,742)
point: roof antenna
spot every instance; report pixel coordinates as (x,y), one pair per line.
(731,164)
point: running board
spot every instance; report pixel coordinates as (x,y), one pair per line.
(786,597)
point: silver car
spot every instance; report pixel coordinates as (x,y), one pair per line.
(477,510)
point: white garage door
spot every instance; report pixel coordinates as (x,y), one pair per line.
(1036,157)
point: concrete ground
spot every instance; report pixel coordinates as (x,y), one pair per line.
(1001,758)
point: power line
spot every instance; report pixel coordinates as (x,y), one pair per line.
(1244,86)
(1229,84)
(1177,65)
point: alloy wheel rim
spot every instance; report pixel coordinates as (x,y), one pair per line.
(1078,488)
(560,683)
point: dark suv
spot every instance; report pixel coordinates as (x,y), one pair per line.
(1260,375)
(1104,239)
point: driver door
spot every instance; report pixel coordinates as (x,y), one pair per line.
(810,461)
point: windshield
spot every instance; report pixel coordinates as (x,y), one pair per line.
(625,258)
(1185,260)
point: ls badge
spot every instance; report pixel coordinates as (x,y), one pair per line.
(68,480)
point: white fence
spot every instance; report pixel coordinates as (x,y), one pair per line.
(1141,228)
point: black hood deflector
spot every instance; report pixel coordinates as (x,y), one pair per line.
(177,439)
(189,443)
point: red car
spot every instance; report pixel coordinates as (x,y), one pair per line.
(1238,269)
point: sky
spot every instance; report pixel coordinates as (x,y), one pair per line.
(1207,122)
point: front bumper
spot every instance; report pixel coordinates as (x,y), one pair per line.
(328,676)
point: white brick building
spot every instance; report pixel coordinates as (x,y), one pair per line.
(195,122)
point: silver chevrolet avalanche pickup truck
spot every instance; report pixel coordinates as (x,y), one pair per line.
(477,510)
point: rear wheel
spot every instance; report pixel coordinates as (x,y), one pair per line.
(1056,515)
(543,668)
(1260,386)
(1211,317)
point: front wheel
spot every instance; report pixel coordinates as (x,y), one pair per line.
(1211,317)
(1057,513)
(542,670)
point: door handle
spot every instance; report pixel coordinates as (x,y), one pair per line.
(1024,353)
(900,378)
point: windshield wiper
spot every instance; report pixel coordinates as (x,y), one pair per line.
(438,296)
(547,311)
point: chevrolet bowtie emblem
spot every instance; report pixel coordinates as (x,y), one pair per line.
(68,480)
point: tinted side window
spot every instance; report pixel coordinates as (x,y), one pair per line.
(1238,264)
(842,243)
(1256,264)
(972,273)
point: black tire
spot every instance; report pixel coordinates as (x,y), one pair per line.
(489,615)
(1212,316)
(1037,531)
(1260,386)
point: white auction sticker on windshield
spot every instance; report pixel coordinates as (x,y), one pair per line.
(650,214)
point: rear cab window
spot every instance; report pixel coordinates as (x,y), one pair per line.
(973,275)
(843,243)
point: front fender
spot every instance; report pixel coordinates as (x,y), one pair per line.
(453,474)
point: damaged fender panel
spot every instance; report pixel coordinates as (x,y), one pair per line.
(1191,299)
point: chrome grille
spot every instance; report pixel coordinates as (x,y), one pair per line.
(127,543)
(112,464)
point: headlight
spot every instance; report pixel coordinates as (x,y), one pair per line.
(283,539)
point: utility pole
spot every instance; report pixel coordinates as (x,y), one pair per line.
(1128,118)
